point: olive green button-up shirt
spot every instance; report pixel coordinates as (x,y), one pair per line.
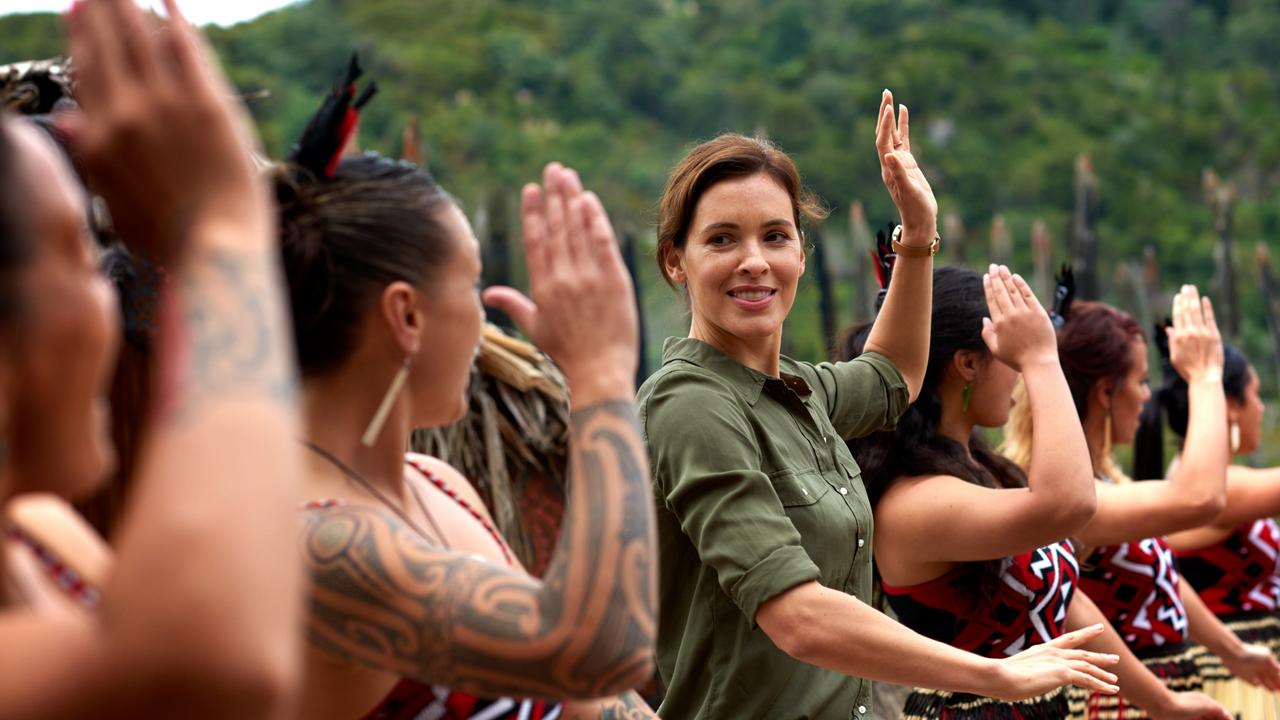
(756,493)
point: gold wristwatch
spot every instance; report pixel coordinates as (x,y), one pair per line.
(911,251)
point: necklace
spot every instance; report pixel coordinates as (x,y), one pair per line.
(480,518)
(360,480)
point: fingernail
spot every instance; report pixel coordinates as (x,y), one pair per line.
(986,278)
(886,92)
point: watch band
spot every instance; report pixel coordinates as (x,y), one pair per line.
(913,251)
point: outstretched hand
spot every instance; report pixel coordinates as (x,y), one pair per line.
(160,133)
(581,310)
(1048,666)
(1191,706)
(1019,330)
(902,176)
(1255,665)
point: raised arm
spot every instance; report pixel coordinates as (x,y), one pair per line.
(384,597)
(1139,684)
(202,609)
(915,520)
(901,331)
(1196,491)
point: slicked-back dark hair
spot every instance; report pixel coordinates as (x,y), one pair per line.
(344,239)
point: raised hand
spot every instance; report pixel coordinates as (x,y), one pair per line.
(582,312)
(902,176)
(1048,666)
(161,135)
(1195,346)
(1019,330)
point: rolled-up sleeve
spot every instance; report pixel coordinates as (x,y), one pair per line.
(707,469)
(863,395)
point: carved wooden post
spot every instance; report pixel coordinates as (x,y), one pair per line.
(1001,241)
(860,274)
(1221,198)
(826,299)
(629,255)
(1084,239)
(1269,299)
(1042,261)
(953,238)
(411,143)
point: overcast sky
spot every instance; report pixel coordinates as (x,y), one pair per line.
(223,12)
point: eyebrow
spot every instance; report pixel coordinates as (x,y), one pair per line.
(734,226)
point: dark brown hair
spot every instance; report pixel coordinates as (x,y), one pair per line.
(726,157)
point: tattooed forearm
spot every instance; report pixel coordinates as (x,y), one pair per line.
(627,706)
(384,597)
(226,334)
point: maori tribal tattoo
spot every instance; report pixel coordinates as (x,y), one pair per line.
(227,334)
(383,597)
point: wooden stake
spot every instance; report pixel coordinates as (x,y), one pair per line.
(1084,239)
(860,280)
(1042,261)
(1269,299)
(1001,241)
(953,238)
(1221,198)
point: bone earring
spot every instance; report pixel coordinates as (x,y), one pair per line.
(1235,437)
(384,409)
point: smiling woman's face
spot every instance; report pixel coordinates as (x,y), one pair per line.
(742,260)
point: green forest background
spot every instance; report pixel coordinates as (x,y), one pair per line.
(1006,96)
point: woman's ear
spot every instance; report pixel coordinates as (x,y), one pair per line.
(1101,394)
(673,261)
(967,364)
(405,320)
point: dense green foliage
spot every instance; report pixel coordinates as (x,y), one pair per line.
(1005,95)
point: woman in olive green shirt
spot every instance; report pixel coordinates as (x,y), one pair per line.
(763,523)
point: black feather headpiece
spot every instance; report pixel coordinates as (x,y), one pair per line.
(1064,292)
(322,143)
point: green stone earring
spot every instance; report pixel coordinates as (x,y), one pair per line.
(964,396)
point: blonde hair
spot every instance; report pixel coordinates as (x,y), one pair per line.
(1018,434)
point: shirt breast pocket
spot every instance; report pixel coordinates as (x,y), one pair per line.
(827,526)
(798,489)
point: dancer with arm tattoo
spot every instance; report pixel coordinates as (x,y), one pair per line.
(417,603)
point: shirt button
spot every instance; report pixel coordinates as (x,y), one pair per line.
(861,542)
(844,491)
(862,709)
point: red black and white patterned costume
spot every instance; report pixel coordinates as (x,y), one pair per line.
(1239,580)
(1027,607)
(1135,585)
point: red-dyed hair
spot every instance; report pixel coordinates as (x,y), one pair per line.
(1095,345)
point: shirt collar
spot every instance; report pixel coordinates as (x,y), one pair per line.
(747,381)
